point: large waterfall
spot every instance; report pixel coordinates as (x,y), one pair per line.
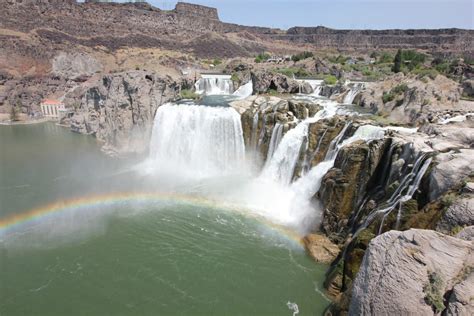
(214,85)
(204,141)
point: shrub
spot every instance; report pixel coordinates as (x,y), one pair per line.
(188,94)
(330,80)
(385,58)
(425,72)
(434,293)
(290,72)
(401,88)
(407,59)
(387,97)
(217,62)
(301,56)
(262,57)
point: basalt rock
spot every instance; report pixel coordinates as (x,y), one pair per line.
(119,109)
(75,65)
(264,81)
(415,272)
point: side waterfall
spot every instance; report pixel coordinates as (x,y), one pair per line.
(353,92)
(244,91)
(205,141)
(214,85)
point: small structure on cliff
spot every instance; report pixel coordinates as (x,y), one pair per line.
(53,109)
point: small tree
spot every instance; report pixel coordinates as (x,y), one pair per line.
(397,62)
(14,111)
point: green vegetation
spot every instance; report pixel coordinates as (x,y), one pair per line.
(216,62)
(387,97)
(385,58)
(294,71)
(401,88)
(15,110)
(234,77)
(262,57)
(338,59)
(330,80)
(301,56)
(188,94)
(407,60)
(434,293)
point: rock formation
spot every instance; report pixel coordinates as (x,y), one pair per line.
(415,272)
(119,109)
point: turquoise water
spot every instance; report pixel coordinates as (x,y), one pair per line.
(138,257)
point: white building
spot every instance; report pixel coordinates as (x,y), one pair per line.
(54,109)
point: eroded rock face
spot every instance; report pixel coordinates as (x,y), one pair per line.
(408,273)
(263,81)
(119,109)
(320,248)
(75,65)
(412,100)
(451,169)
(459,214)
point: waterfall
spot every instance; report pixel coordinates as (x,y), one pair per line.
(404,192)
(316,85)
(275,140)
(280,167)
(309,184)
(214,85)
(244,91)
(353,92)
(203,141)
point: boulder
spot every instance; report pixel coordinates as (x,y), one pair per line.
(450,170)
(459,214)
(320,248)
(263,81)
(410,272)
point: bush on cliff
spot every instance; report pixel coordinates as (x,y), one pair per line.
(262,57)
(330,80)
(301,56)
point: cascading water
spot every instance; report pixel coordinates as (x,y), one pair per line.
(203,141)
(214,85)
(280,167)
(316,85)
(353,92)
(244,91)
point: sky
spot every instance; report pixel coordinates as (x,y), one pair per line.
(341,14)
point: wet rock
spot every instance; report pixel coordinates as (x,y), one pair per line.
(408,273)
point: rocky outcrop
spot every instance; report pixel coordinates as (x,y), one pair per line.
(459,214)
(410,99)
(320,248)
(260,116)
(119,109)
(263,81)
(411,273)
(450,170)
(75,65)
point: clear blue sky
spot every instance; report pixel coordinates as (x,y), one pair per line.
(354,14)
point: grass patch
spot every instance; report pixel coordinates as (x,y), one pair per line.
(262,57)
(434,292)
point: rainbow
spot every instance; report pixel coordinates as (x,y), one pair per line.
(103,200)
(16,221)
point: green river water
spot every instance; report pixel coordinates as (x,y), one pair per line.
(175,257)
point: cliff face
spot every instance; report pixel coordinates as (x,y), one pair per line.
(453,40)
(119,109)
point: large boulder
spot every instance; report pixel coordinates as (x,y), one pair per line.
(411,273)
(459,214)
(119,109)
(450,170)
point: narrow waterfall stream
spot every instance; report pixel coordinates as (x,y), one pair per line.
(214,85)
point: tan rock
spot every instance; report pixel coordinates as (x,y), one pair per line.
(320,248)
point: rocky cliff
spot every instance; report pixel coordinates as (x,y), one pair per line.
(119,109)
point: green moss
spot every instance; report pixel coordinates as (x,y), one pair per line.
(188,94)
(434,292)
